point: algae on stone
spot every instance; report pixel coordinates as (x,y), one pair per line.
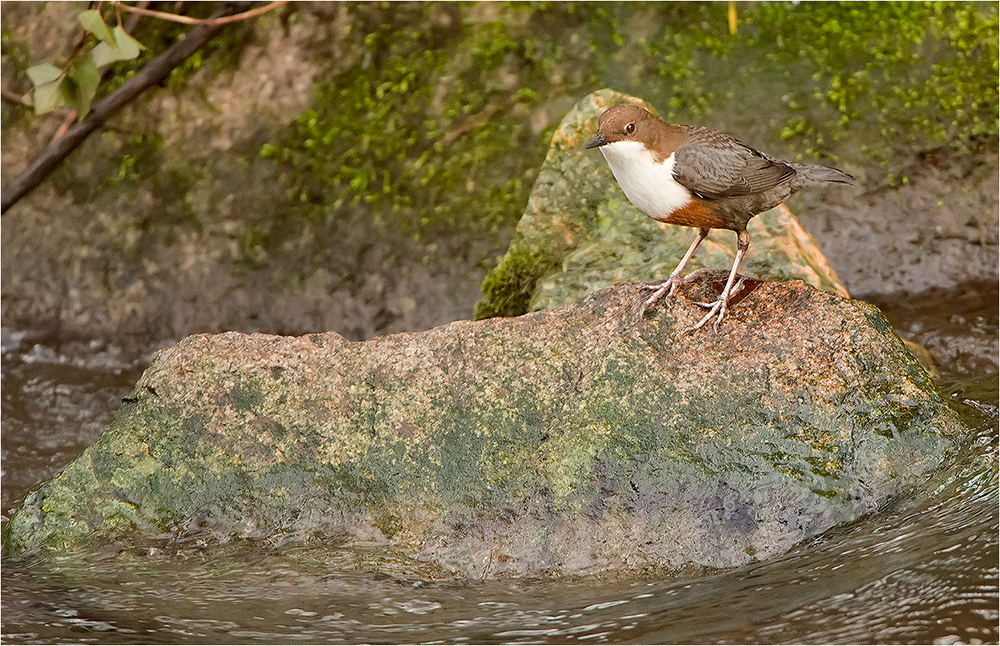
(569,441)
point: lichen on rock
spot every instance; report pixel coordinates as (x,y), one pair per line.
(570,441)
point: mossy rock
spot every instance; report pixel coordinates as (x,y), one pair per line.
(578,440)
(579,233)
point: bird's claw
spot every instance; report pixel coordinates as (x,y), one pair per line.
(716,309)
(664,290)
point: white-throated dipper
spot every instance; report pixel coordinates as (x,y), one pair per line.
(698,177)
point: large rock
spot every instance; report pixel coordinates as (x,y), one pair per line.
(579,233)
(575,440)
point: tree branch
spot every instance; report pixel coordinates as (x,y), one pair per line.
(173,17)
(151,74)
(13,97)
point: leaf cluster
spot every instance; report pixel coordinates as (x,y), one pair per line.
(75,84)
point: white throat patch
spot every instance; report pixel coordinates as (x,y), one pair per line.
(649,186)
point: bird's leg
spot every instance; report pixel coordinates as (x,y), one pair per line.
(669,286)
(718,308)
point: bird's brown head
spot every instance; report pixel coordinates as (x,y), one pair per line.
(625,122)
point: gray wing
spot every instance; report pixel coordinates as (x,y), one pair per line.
(714,165)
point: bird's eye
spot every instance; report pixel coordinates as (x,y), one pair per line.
(629,128)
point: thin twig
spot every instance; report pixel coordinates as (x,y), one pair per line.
(13,97)
(65,125)
(133,20)
(199,21)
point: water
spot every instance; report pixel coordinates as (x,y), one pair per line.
(922,570)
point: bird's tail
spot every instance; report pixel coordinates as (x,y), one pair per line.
(812,175)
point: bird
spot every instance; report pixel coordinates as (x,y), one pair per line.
(698,177)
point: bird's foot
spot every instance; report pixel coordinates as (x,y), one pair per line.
(716,309)
(662,290)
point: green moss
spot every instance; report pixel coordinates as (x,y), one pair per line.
(914,74)
(247,395)
(508,288)
(876,78)
(125,163)
(889,419)
(878,322)
(679,55)
(14,53)
(388,523)
(424,131)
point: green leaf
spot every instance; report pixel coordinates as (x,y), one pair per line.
(49,96)
(128,46)
(44,73)
(93,22)
(104,54)
(86,77)
(122,48)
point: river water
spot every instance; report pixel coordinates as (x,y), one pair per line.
(922,570)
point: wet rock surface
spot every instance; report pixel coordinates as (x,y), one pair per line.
(570,441)
(934,234)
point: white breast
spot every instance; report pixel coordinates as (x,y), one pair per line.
(648,185)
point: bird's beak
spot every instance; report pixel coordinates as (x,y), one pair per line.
(596,142)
